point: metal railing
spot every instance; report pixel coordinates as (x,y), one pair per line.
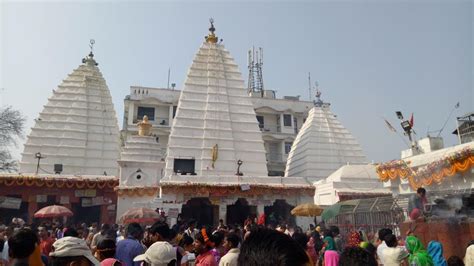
(274,157)
(158,121)
(271,129)
(369,215)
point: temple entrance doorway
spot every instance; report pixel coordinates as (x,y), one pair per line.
(85,214)
(238,212)
(199,209)
(279,213)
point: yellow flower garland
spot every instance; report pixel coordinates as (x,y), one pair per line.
(403,173)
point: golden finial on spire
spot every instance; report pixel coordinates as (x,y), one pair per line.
(211,37)
(144,127)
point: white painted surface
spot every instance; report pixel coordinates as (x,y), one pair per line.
(353,179)
(77,127)
(214,108)
(322,146)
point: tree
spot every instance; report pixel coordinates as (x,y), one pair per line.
(12,123)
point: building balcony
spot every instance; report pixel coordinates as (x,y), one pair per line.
(270,129)
(157,122)
(275,158)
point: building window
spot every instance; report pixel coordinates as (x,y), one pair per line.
(148,111)
(287,120)
(184,166)
(288,147)
(174,110)
(260,121)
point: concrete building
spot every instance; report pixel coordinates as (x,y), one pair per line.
(279,120)
(216,162)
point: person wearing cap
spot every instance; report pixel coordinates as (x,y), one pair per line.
(202,246)
(72,251)
(161,253)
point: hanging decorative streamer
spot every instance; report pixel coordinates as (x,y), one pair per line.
(54,182)
(436,171)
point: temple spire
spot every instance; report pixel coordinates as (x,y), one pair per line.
(89,60)
(211,37)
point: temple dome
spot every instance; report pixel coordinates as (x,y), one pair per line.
(215,124)
(77,128)
(322,146)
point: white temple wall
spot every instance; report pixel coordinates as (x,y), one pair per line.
(149,173)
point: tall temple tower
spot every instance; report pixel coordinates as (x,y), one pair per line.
(323,145)
(77,129)
(215,131)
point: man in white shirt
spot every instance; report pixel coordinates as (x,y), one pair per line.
(231,244)
(191,231)
(393,255)
(381,243)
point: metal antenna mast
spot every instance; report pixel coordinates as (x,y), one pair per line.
(309,86)
(255,63)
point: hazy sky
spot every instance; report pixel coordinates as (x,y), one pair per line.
(371,58)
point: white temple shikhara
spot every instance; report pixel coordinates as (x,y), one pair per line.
(77,128)
(322,146)
(215,123)
(215,163)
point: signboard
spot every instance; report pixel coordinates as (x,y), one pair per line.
(245,187)
(97,201)
(41,198)
(215,200)
(86,202)
(89,202)
(64,200)
(90,193)
(10,203)
(173,213)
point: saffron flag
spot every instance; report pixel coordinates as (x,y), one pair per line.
(390,126)
(411,120)
(215,152)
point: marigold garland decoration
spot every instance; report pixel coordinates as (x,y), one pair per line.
(234,189)
(137,191)
(54,182)
(457,162)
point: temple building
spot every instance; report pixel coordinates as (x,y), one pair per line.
(70,156)
(215,165)
(322,145)
(77,130)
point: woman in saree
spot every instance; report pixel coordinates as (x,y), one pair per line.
(418,255)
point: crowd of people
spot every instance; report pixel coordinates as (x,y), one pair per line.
(184,244)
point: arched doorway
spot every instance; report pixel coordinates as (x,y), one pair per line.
(279,213)
(239,211)
(200,209)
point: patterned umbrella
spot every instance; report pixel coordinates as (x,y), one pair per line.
(307,209)
(53,211)
(139,215)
